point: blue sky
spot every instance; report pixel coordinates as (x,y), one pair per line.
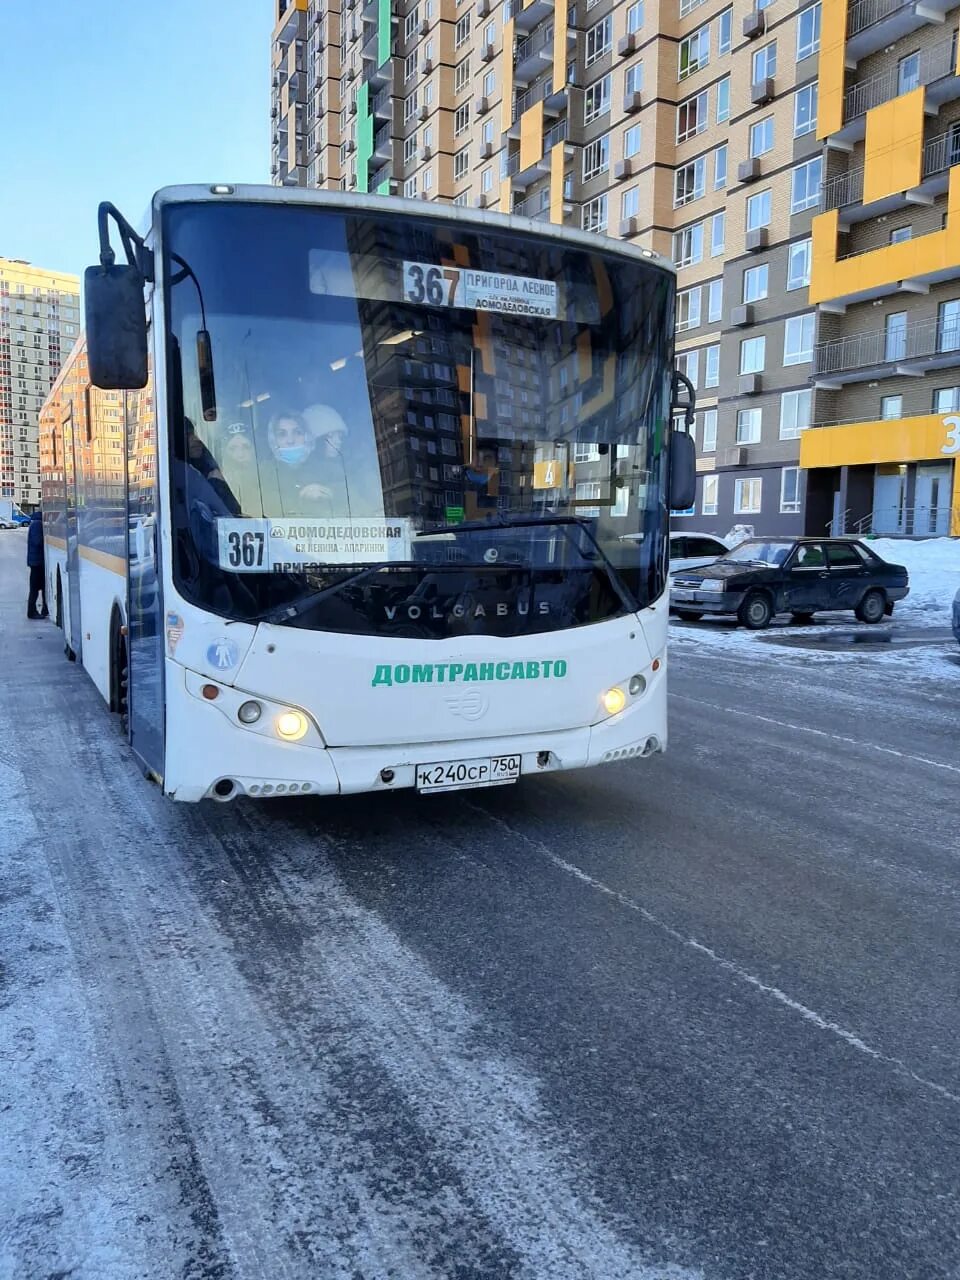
(111,99)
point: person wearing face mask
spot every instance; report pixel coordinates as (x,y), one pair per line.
(292,481)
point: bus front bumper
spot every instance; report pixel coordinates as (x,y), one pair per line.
(210,756)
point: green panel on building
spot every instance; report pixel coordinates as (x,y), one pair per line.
(364,137)
(383,32)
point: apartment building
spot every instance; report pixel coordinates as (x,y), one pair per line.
(886,272)
(685,126)
(39,323)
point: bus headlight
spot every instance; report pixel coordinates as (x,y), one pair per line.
(291,725)
(250,712)
(613,700)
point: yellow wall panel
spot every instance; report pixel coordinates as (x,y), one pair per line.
(893,158)
(531,135)
(556,183)
(506,65)
(559,44)
(833,38)
(935,252)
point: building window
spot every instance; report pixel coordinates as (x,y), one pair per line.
(486,180)
(689,365)
(908,73)
(461,120)
(714,301)
(790,491)
(758,211)
(808,32)
(798,265)
(724,32)
(899,234)
(461,163)
(747,497)
(410,107)
(461,76)
(723,100)
(631,141)
(599,40)
(720,167)
(410,187)
(486,134)
(798,339)
(945,400)
(633,80)
(752,355)
(755,281)
(761,137)
(749,423)
(795,413)
(805,189)
(410,22)
(688,245)
(409,66)
(948,326)
(428,180)
(805,110)
(688,309)
(689,182)
(461,31)
(596,157)
(708,502)
(895,336)
(892,406)
(635,17)
(630,204)
(765,63)
(711,372)
(409,148)
(694,52)
(489,84)
(596,100)
(594,214)
(692,117)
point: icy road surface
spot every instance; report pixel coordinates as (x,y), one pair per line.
(695,1017)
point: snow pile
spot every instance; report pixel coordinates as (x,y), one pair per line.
(934,568)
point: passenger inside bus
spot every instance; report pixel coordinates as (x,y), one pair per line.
(240,470)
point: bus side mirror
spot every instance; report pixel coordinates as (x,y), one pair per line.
(683,471)
(116,325)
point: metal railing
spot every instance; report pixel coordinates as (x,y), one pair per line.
(888,346)
(845,188)
(908,522)
(533,207)
(865,13)
(382,137)
(557,134)
(531,96)
(941,153)
(510,165)
(383,174)
(382,100)
(532,43)
(933,64)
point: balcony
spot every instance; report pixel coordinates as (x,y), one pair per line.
(527,17)
(533,207)
(380,176)
(532,55)
(887,353)
(554,101)
(935,71)
(845,191)
(874,24)
(383,143)
(382,104)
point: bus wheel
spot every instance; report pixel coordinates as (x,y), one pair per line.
(120,700)
(58,615)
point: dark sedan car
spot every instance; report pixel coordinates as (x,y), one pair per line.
(801,576)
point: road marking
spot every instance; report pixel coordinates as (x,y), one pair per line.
(818,733)
(730,966)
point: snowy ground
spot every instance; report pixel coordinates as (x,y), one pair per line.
(934,568)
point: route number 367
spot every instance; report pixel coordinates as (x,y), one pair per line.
(433,286)
(953,435)
(245,549)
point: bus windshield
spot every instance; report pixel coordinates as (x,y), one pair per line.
(399,424)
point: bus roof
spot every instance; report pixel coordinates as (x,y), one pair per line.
(590,241)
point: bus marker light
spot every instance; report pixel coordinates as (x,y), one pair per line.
(637,685)
(613,700)
(210,691)
(249,712)
(656,664)
(291,725)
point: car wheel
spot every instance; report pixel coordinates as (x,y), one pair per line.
(872,607)
(802,619)
(756,611)
(688,615)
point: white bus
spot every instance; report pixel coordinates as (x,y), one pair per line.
(350,493)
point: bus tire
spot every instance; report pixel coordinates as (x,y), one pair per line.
(58,608)
(120,675)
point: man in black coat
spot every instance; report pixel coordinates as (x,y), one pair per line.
(38,583)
